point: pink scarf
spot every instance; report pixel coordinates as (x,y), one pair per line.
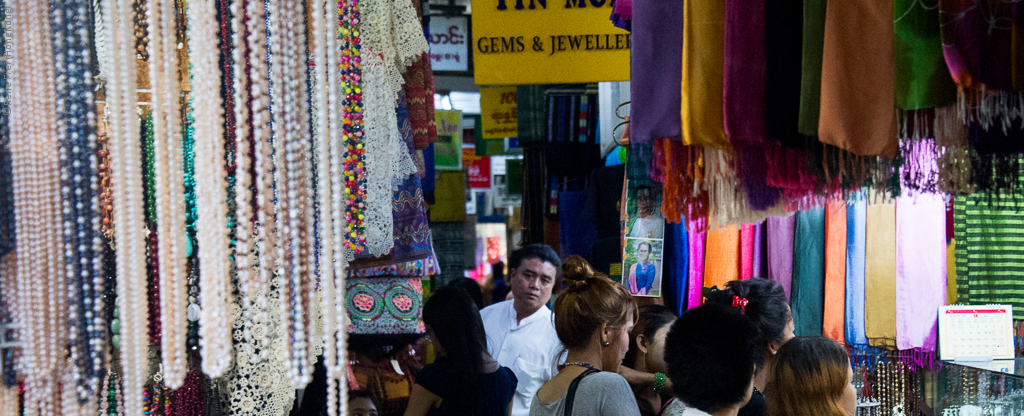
(920,269)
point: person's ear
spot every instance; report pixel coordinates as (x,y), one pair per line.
(607,335)
(641,343)
(773,347)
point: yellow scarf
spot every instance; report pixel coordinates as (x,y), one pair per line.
(703,61)
(880,276)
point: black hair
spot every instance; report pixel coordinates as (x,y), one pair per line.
(534,251)
(648,322)
(362,394)
(712,357)
(650,248)
(472,289)
(456,323)
(766,306)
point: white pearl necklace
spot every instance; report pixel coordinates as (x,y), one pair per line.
(291,144)
(215,321)
(37,206)
(126,183)
(261,134)
(329,192)
(170,197)
(243,180)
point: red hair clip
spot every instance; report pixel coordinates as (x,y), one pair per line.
(738,301)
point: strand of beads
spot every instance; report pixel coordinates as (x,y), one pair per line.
(129,215)
(352,128)
(152,239)
(211,196)
(243,180)
(37,206)
(76,126)
(140,10)
(169,192)
(265,231)
(325,141)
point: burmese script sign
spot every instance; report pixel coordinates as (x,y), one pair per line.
(547,42)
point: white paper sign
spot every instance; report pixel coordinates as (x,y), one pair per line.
(449,43)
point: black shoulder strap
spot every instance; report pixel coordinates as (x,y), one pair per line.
(571,395)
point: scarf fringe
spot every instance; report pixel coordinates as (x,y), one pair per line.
(989,108)
(727,201)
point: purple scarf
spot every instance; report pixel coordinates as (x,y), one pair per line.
(657,61)
(780,253)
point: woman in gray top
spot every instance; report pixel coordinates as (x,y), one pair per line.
(593,319)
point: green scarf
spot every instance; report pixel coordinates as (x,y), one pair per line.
(922,79)
(810,69)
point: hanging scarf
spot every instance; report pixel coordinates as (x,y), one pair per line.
(702,66)
(808,294)
(759,269)
(783,33)
(576,230)
(656,62)
(744,72)
(622,14)
(531,114)
(991,244)
(922,79)
(810,68)
(722,256)
(696,262)
(858,79)
(746,251)
(856,230)
(977,41)
(835,271)
(920,269)
(780,253)
(880,276)
(1018,46)
(674,280)
(951,272)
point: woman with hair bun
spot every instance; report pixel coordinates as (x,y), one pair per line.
(593,319)
(812,377)
(765,303)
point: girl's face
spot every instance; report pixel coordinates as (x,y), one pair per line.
(612,355)
(656,350)
(849,393)
(643,253)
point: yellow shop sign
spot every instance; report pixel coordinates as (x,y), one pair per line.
(547,42)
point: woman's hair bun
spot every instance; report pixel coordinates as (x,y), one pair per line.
(576,271)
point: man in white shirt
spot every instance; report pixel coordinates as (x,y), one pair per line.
(521,332)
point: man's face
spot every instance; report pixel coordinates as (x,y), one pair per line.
(532,283)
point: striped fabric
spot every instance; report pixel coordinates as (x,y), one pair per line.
(990,252)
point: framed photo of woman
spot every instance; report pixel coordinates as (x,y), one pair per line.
(642,266)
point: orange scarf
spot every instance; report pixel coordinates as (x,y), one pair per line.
(722,256)
(835,271)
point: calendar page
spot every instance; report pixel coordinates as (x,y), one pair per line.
(973,332)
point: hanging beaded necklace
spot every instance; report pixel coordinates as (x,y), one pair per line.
(352,119)
(211,196)
(36,173)
(152,240)
(76,129)
(129,215)
(169,243)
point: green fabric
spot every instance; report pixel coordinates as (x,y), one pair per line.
(531,115)
(810,69)
(922,78)
(808,293)
(990,251)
